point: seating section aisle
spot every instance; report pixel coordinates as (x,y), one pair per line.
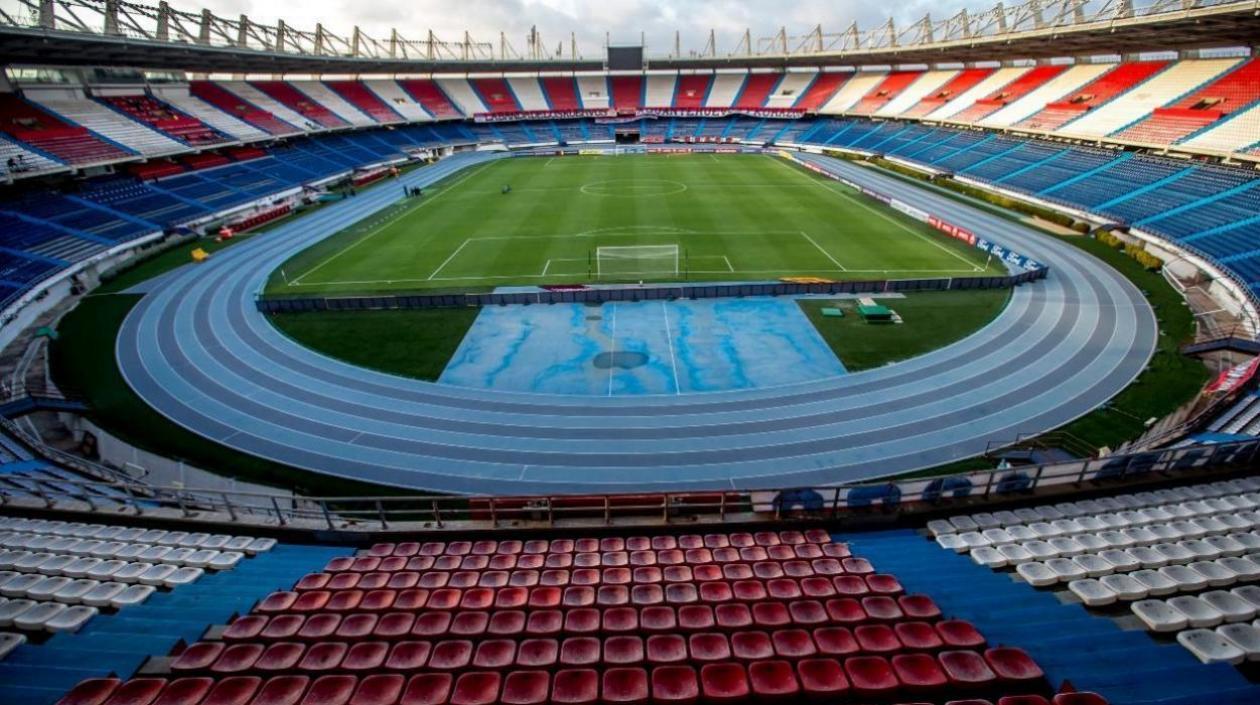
(736,617)
(1181,560)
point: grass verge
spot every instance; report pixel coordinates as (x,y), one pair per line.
(83,363)
(931,320)
(411,343)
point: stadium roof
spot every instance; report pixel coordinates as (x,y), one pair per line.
(116,33)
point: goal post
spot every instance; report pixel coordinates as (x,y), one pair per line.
(636,261)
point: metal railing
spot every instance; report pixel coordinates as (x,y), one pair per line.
(376,514)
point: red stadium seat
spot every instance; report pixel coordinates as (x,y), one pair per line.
(476,688)
(646,595)
(706,572)
(767,570)
(579,686)
(470,624)
(329,690)
(676,573)
(579,596)
(616,576)
(356,626)
(245,628)
(137,691)
(751,646)
(827,566)
(451,655)
(918,636)
(584,576)
(714,592)
(413,599)
(537,653)
(724,682)
(612,596)
(365,656)
(845,610)
(340,601)
(1023,700)
(620,620)
(554,578)
(822,678)
(708,647)
(185,691)
(324,656)
(1083,698)
(313,581)
(434,580)
(408,655)
(393,626)
(494,654)
(675,685)
(378,600)
(737,571)
(526,688)
(1014,666)
(918,672)
(199,656)
(647,575)
(523,578)
(871,676)
(850,586)
(283,626)
(237,690)
(958,634)
(319,627)
(681,594)
(783,589)
(749,590)
(883,609)
(877,639)
(817,586)
(428,689)
(581,621)
(967,669)
(807,613)
(770,615)
(884,584)
(623,651)
(731,617)
(766,538)
(836,550)
(919,607)
(561,546)
(663,543)
(696,618)
(793,644)
(445,599)
(544,623)
(666,649)
(773,679)
(835,641)
(381,689)
(625,685)
(512,597)
(243,657)
(530,562)
(580,651)
(658,619)
(282,690)
(506,623)
(798,569)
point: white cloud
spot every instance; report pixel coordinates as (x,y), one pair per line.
(590,20)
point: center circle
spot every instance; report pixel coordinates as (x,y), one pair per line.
(632,188)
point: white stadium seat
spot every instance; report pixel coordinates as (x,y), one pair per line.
(1210,647)
(1246,637)
(1198,612)
(1158,616)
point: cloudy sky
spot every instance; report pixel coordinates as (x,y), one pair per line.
(590,19)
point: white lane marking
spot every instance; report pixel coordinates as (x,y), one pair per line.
(669,338)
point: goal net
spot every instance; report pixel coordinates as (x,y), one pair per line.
(631,261)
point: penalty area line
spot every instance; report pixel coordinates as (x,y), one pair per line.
(447,261)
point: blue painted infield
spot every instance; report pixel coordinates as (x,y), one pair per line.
(638,348)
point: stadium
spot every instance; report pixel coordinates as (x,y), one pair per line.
(907,362)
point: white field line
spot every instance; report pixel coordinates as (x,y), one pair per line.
(827,185)
(729,270)
(383,226)
(447,261)
(545,266)
(606,234)
(825,253)
(728,263)
(669,338)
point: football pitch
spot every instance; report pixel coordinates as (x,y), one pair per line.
(591,219)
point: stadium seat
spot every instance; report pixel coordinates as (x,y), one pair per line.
(94,691)
(575,686)
(871,676)
(773,679)
(1014,666)
(428,689)
(723,682)
(966,669)
(625,685)
(918,672)
(379,689)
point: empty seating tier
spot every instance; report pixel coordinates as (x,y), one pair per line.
(166,119)
(721,618)
(72,144)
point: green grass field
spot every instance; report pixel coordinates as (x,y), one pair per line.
(694,217)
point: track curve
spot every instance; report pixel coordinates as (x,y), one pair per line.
(196,349)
